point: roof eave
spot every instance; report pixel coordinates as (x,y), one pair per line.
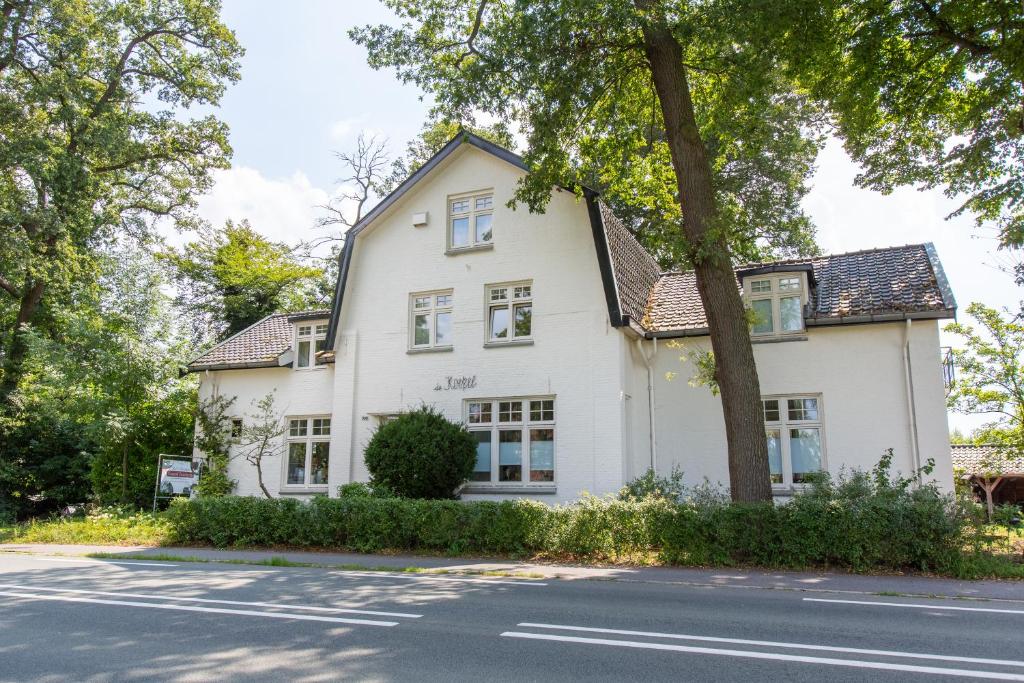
(948,300)
(819,322)
(604,259)
(234,366)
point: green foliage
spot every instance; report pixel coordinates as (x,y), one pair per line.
(233,277)
(167,428)
(99,400)
(95,99)
(650,485)
(107,526)
(359,489)
(1005,515)
(213,439)
(420,454)
(861,521)
(923,93)
(990,380)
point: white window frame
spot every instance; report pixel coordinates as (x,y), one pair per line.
(308,438)
(478,203)
(784,423)
(314,332)
(436,306)
(524,425)
(517,295)
(775,294)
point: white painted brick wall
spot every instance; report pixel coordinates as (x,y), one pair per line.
(595,372)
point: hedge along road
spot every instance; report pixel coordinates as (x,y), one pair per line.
(97,620)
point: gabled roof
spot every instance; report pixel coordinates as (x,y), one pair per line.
(875,285)
(976,458)
(257,346)
(345,258)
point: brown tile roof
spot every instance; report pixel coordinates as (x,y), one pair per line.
(855,287)
(976,459)
(256,346)
(635,270)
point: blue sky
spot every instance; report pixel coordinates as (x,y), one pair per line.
(306,90)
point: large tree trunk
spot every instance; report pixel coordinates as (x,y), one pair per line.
(735,372)
(18,347)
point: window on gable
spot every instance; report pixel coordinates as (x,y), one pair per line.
(776,303)
(431,320)
(236,428)
(793,428)
(470,221)
(515,440)
(310,339)
(308,452)
(509,312)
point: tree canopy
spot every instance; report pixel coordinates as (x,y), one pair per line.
(95,140)
(990,374)
(924,92)
(233,277)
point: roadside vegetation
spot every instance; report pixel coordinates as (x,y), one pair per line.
(861,522)
(104,526)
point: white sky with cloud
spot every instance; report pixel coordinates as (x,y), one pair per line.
(295,106)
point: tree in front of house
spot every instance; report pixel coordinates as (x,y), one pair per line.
(233,277)
(97,142)
(261,436)
(213,441)
(683,114)
(990,381)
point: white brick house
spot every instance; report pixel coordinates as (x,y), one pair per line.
(554,337)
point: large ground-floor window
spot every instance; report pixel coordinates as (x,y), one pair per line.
(515,439)
(308,451)
(795,444)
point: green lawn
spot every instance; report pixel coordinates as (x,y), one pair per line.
(137,529)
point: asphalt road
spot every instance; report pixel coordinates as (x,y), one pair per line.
(67,619)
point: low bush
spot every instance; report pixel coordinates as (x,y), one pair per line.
(861,521)
(420,454)
(651,485)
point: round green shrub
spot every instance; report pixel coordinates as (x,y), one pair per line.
(421,455)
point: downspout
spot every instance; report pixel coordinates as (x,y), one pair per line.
(650,398)
(915,449)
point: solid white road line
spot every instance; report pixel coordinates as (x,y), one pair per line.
(147,596)
(98,561)
(915,606)
(770,643)
(771,655)
(192,608)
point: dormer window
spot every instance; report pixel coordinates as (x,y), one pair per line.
(310,339)
(777,303)
(470,220)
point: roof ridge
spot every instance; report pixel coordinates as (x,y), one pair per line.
(806,259)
